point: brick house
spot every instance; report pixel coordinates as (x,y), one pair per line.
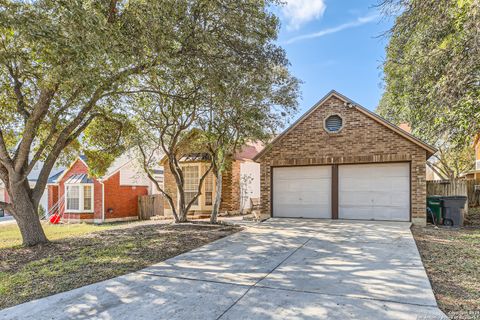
(474,174)
(77,197)
(342,161)
(240,181)
(32,180)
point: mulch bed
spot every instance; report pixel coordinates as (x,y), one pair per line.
(31,273)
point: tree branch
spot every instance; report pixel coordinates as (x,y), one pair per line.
(31,127)
(75,128)
(5,159)
(157,185)
(17,89)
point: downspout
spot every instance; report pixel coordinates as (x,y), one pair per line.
(103,201)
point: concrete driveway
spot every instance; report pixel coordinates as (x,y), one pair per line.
(280,269)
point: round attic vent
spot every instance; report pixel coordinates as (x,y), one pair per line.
(333,123)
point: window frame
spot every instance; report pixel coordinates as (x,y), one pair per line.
(204,193)
(199,199)
(81,198)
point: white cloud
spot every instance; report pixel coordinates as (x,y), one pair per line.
(298,12)
(352,24)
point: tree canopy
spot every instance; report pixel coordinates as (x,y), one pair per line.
(237,89)
(69,69)
(432,69)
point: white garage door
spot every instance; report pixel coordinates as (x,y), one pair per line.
(302,192)
(374,192)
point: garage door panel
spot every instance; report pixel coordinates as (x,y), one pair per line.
(400,199)
(400,183)
(352,184)
(389,213)
(375,192)
(360,213)
(314,172)
(302,192)
(355,198)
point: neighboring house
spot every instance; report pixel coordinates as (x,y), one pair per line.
(240,183)
(77,197)
(342,161)
(475,173)
(32,180)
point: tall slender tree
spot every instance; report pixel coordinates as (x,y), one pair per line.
(165,110)
(237,65)
(248,107)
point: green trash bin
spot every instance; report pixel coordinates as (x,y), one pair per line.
(434,203)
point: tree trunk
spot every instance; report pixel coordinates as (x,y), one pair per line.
(182,212)
(25,213)
(182,216)
(218,197)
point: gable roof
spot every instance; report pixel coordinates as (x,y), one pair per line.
(430,149)
(249,151)
(79,178)
(57,177)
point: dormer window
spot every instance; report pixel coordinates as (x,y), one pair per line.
(333,123)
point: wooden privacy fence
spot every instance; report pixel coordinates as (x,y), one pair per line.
(473,195)
(455,188)
(149,206)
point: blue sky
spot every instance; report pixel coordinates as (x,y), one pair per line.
(335,44)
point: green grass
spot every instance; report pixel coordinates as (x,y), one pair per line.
(10,234)
(68,263)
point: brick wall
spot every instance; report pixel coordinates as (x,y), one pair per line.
(123,200)
(362,140)
(79,167)
(52,196)
(231,188)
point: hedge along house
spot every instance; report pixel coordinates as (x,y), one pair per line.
(342,161)
(240,181)
(77,197)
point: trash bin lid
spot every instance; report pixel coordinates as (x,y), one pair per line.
(454,197)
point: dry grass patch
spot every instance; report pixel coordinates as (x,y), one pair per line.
(452,260)
(30,273)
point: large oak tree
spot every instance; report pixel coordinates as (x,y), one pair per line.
(64,64)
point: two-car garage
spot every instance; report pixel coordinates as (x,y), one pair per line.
(379,191)
(342,161)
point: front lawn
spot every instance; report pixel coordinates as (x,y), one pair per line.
(10,234)
(68,263)
(452,260)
